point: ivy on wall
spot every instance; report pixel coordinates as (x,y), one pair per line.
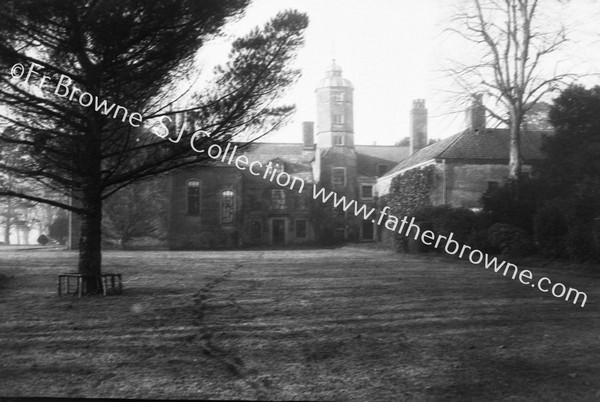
(410,191)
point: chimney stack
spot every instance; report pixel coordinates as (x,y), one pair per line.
(308,135)
(476,115)
(418,126)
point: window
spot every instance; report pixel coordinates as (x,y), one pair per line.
(301,228)
(193,197)
(278,199)
(338,139)
(339,97)
(382,169)
(338,176)
(338,119)
(227,207)
(366,191)
(255,230)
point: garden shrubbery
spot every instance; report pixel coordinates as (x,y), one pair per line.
(550,230)
(467,227)
(511,240)
(444,220)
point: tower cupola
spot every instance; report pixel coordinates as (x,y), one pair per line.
(335,111)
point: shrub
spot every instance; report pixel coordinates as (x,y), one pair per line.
(444,220)
(510,240)
(550,230)
(43,240)
(466,226)
(504,206)
(59,230)
(580,244)
(566,229)
(479,239)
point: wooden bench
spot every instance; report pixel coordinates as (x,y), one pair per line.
(79,278)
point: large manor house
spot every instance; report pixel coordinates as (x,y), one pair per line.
(223,206)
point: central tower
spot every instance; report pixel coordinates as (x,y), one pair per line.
(335,117)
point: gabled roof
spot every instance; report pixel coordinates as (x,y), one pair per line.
(423,155)
(487,146)
(388,152)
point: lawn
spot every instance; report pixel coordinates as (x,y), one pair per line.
(343,324)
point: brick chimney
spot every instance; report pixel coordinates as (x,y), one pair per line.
(418,126)
(475,114)
(308,135)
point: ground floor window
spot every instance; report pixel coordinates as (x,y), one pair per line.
(227,207)
(301,228)
(193,197)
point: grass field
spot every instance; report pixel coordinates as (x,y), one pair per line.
(338,324)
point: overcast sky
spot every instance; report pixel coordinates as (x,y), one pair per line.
(393,51)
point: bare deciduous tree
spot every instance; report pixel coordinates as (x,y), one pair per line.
(510,72)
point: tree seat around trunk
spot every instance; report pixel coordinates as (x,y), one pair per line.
(82,281)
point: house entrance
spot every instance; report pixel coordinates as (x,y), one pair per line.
(278,231)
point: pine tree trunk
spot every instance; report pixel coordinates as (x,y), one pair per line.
(7,222)
(90,242)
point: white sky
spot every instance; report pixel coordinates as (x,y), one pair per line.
(393,52)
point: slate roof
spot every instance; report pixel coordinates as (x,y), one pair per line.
(369,156)
(299,161)
(489,146)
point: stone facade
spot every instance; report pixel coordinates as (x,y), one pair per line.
(461,185)
(222,206)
